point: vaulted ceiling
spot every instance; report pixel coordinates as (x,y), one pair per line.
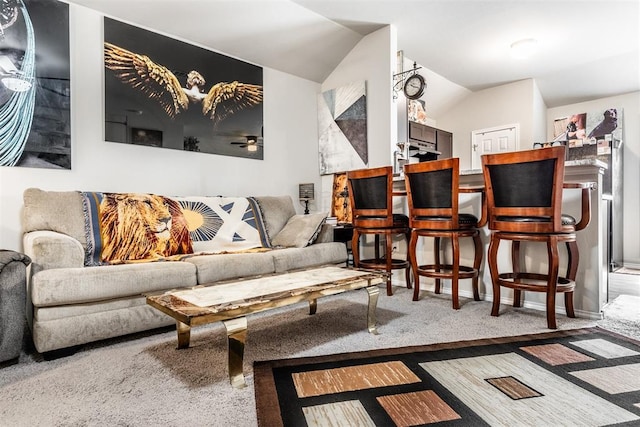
(586,49)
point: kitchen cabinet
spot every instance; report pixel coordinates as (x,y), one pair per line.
(420,132)
(444,144)
(440,139)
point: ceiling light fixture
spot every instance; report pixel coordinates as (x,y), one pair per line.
(524,48)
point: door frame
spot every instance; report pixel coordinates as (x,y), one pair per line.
(474,133)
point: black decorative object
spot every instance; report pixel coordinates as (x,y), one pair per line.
(306,194)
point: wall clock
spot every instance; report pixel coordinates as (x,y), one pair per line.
(414,86)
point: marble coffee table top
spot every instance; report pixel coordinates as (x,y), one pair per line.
(244,296)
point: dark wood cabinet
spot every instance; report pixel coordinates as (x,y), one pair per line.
(442,139)
(422,132)
(444,144)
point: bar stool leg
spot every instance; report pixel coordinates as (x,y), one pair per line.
(493,268)
(455,244)
(355,248)
(477,261)
(572,271)
(407,272)
(414,264)
(515,262)
(389,261)
(552,250)
(436,254)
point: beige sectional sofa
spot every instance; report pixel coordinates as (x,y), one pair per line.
(70,303)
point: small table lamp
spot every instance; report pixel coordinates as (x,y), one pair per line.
(306,194)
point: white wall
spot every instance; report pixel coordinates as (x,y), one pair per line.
(373,60)
(539,116)
(290,144)
(497,106)
(630,103)
(439,96)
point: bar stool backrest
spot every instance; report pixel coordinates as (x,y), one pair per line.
(432,194)
(370,193)
(524,190)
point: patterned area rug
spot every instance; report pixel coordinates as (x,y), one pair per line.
(575,377)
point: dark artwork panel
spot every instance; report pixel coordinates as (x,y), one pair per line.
(342,128)
(35,117)
(196,99)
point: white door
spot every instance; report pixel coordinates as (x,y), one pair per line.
(494,140)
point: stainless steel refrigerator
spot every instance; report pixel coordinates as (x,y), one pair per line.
(601,138)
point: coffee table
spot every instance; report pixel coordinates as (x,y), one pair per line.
(230,302)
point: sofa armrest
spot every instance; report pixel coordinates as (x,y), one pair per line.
(48,249)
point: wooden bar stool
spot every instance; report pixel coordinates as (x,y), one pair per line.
(524,200)
(370,194)
(432,190)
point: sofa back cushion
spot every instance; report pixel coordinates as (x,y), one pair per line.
(59,211)
(300,231)
(276,211)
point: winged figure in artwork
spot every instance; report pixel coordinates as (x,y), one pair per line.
(160,84)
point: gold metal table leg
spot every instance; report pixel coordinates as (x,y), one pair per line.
(184,334)
(313,306)
(236,336)
(373,292)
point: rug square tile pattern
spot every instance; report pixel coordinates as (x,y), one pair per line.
(513,387)
(417,408)
(556,354)
(338,380)
(561,403)
(350,412)
(613,379)
(604,348)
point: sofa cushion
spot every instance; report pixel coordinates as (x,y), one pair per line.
(103,321)
(300,231)
(276,211)
(77,285)
(211,268)
(59,211)
(317,254)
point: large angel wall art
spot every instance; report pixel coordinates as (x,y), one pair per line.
(166,93)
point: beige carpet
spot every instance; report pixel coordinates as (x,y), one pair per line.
(622,315)
(143,380)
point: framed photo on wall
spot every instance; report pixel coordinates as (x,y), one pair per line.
(35,93)
(342,123)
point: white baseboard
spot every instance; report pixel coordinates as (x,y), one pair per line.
(560,310)
(633,265)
